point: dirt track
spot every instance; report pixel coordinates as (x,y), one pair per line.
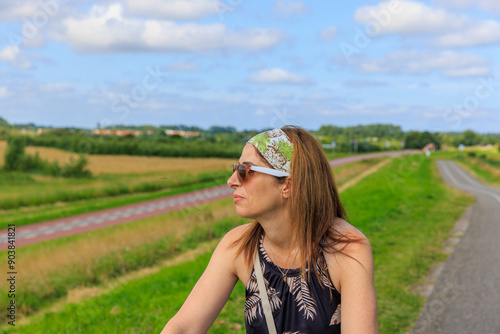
(34,233)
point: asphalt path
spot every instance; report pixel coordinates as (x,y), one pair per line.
(38,232)
(466,296)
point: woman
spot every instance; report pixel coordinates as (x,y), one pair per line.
(308,254)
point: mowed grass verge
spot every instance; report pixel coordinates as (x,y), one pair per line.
(405,209)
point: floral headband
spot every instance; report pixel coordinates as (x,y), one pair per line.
(275,147)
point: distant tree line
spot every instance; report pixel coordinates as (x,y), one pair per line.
(160,146)
(363,131)
(226,142)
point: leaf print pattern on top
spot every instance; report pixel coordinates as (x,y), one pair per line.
(305,301)
(322,269)
(335,317)
(298,306)
(253,304)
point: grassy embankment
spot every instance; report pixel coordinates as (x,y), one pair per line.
(405,210)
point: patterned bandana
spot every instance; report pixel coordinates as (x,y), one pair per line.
(276,148)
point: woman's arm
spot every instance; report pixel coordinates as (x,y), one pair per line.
(357,288)
(210,293)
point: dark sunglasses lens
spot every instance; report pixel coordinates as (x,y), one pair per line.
(242,172)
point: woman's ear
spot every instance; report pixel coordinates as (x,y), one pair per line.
(287,188)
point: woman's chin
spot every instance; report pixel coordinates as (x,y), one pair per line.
(243,213)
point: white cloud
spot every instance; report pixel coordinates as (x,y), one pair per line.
(173,9)
(14,56)
(288,9)
(482,34)
(278,75)
(106,30)
(260,112)
(415,18)
(9,53)
(451,64)
(55,87)
(15,10)
(328,34)
(486,5)
(4,92)
(182,66)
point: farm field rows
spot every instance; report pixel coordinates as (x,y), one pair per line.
(404,208)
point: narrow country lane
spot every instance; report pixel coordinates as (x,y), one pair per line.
(466,297)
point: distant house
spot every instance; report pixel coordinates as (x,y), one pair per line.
(120,133)
(182,133)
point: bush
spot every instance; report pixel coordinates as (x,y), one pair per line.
(471,154)
(15,153)
(17,160)
(76,168)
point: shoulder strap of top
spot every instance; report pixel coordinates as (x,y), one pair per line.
(266,306)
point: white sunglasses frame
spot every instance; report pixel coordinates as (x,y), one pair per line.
(269,171)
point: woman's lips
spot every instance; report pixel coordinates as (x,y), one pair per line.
(237,198)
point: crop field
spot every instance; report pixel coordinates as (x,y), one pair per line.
(132,278)
(124,164)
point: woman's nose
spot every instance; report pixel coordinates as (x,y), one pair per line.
(233,181)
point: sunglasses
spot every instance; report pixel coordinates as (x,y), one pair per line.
(244,169)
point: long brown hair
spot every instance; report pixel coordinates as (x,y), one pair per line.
(314,203)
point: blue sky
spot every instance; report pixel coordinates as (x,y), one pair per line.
(424,65)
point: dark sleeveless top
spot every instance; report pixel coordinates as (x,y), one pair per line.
(297,306)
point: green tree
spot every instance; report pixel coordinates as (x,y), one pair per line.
(471,138)
(15,152)
(4,123)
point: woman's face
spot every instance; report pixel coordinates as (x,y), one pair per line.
(261,196)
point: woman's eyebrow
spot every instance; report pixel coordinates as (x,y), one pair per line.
(248,163)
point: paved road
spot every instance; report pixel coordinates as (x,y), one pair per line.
(466,297)
(33,233)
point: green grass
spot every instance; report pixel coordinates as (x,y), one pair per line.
(405,210)
(89,199)
(141,306)
(475,167)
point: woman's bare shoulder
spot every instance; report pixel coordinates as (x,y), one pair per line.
(236,232)
(354,245)
(347,231)
(231,237)
(351,257)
